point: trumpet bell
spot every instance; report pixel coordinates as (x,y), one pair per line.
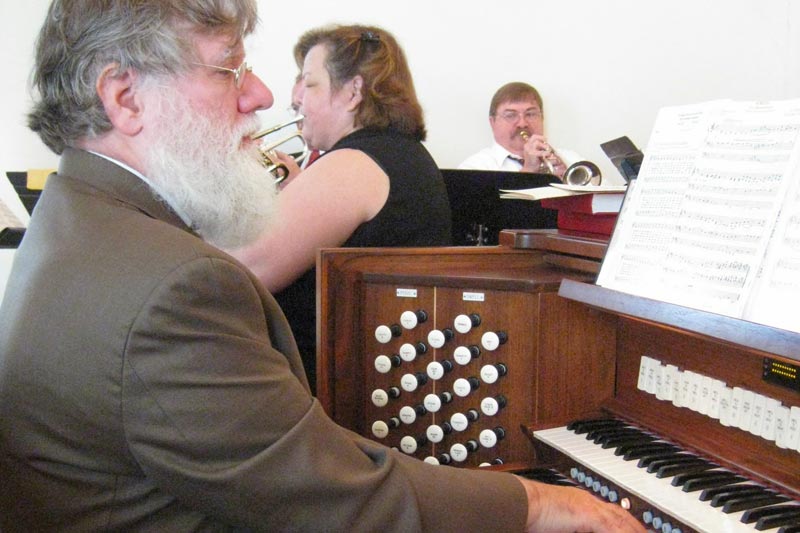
(582,173)
(268,155)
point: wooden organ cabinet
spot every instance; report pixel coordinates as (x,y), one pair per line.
(511,357)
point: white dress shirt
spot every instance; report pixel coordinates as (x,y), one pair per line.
(495,157)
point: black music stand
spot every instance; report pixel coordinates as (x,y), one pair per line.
(478,211)
(29,197)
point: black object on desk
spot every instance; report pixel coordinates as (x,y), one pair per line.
(29,197)
(11,237)
(478,211)
(625,156)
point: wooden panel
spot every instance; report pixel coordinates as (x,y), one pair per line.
(753,455)
(557,371)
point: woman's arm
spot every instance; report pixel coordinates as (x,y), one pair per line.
(320,208)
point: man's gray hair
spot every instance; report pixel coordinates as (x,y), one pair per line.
(80,38)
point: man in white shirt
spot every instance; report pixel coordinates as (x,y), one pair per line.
(517,121)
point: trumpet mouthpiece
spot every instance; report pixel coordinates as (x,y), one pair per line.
(524,135)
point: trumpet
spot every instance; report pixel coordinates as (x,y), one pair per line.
(268,156)
(579,173)
(582,173)
(546,162)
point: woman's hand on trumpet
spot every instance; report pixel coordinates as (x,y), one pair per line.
(539,156)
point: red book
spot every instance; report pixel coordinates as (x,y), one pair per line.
(602,224)
(605,203)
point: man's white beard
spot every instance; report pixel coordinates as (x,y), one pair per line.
(200,168)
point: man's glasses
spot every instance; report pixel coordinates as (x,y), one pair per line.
(239,73)
(513,116)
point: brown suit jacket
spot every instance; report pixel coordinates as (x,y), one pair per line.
(148,382)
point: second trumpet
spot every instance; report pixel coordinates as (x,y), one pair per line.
(268,156)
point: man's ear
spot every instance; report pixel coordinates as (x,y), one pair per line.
(121,99)
(356,88)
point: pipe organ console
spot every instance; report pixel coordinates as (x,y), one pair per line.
(510,358)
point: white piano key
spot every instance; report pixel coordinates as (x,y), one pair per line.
(659,492)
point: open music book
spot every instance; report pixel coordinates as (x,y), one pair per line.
(713,220)
(559,190)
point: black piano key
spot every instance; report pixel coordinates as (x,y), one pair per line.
(711,480)
(667,461)
(790,529)
(750,502)
(630,452)
(646,460)
(779,519)
(619,440)
(684,468)
(583,426)
(723,495)
(598,435)
(545,475)
(754,515)
(710,494)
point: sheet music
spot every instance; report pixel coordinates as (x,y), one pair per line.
(12,212)
(696,227)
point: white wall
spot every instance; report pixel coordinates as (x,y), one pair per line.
(604,67)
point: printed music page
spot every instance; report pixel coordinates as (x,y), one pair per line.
(696,227)
(776,295)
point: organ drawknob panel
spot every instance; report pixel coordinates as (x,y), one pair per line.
(444,366)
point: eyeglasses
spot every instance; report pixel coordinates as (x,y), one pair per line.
(239,72)
(513,116)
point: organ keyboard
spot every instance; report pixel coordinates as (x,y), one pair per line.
(663,505)
(574,351)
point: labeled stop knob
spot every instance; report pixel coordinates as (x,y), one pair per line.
(409,351)
(463,386)
(385,363)
(464,323)
(436,369)
(410,444)
(489,437)
(384,334)
(491,406)
(491,340)
(411,382)
(491,373)
(437,338)
(410,319)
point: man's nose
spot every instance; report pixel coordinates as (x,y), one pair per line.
(255,95)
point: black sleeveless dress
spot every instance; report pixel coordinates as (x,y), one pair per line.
(416,213)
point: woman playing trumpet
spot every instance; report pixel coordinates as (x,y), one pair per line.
(375,185)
